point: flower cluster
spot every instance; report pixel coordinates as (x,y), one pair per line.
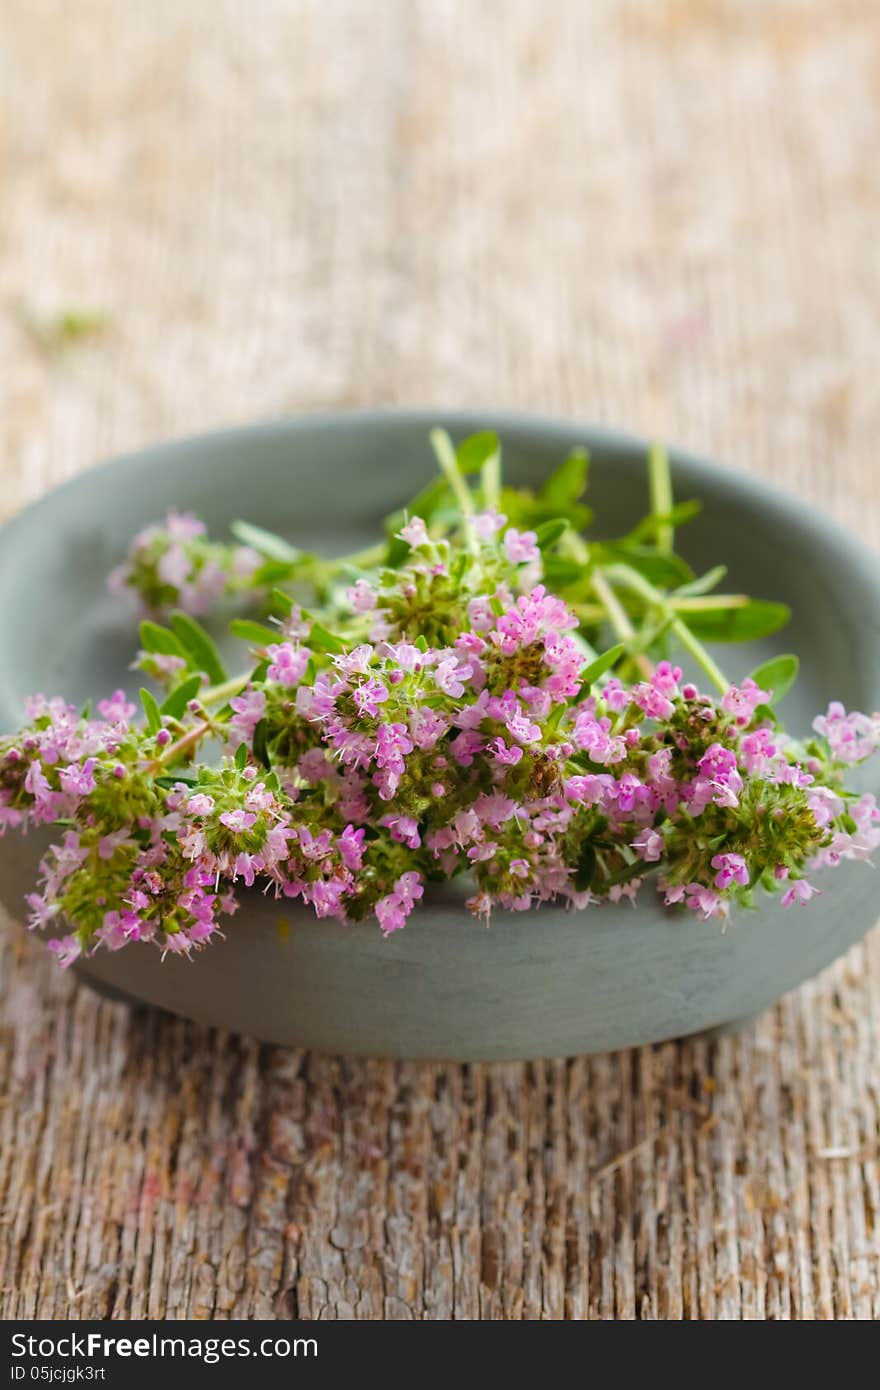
(174,565)
(441,717)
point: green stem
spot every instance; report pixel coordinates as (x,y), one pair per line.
(619,619)
(637,582)
(188,741)
(593,612)
(218,694)
(490,476)
(444,451)
(617,614)
(360,559)
(693,645)
(660,484)
(709,603)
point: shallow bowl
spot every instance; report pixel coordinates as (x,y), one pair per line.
(546,983)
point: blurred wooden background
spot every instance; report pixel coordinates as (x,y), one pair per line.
(656,213)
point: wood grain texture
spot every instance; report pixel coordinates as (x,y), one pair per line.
(656,214)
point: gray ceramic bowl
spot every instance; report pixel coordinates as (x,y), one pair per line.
(536,984)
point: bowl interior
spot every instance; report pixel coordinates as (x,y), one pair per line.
(327,482)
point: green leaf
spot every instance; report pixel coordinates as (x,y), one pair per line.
(568,482)
(260,745)
(560,571)
(549,532)
(151,711)
(155,638)
(664,571)
(265,542)
(474,451)
(172,781)
(258,634)
(241,757)
(199,647)
(586,867)
(777,675)
(590,674)
(756,619)
(269,573)
(650,525)
(398,550)
(321,640)
(179,698)
(525,511)
(703,584)
(281,603)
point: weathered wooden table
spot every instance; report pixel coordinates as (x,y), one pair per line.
(663,215)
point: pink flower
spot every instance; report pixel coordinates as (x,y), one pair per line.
(627,792)
(183,526)
(325,896)
(368,697)
(78,781)
(415,532)
(409,888)
(480,614)
(665,678)
(351,847)
(798,894)
(66,950)
(851,737)
(651,701)
(648,844)
(361,596)
(591,790)
(825,805)
(426,727)
(392,744)
(248,709)
(520,546)
(704,901)
(486,524)
(509,756)
(238,820)
(404,829)
(393,910)
(731,869)
(465,747)
(117,709)
(594,737)
(756,749)
(620,892)
(615,696)
(742,701)
(522,729)
(174,566)
(718,766)
(287,663)
(449,676)
(494,809)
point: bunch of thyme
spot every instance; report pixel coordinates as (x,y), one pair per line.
(444,704)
